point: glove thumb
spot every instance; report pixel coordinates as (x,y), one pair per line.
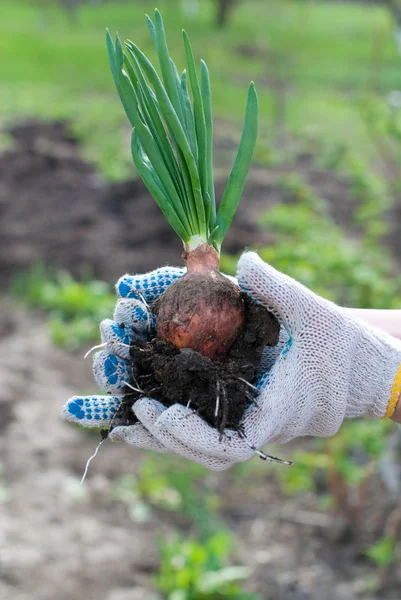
(287,299)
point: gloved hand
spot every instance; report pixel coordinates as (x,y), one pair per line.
(131,320)
(328,366)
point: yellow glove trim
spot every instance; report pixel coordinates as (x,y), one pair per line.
(395,394)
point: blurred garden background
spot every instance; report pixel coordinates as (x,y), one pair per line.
(322,203)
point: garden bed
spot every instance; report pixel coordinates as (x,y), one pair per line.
(56,209)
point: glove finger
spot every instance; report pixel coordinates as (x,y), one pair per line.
(148,286)
(287,299)
(190,429)
(137,435)
(135,315)
(91,411)
(111,372)
(118,338)
(148,412)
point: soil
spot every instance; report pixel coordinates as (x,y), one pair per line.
(60,540)
(55,208)
(216,389)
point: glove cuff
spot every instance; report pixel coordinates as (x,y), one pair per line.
(375,382)
(395,395)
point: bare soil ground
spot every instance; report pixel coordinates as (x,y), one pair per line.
(56,209)
(58,540)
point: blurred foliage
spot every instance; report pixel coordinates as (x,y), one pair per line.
(191,570)
(171,483)
(383,552)
(76,308)
(317,73)
(309,246)
(336,468)
(5,492)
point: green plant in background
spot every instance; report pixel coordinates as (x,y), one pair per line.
(140,493)
(339,468)
(75,308)
(326,77)
(171,483)
(5,492)
(383,552)
(307,466)
(191,570)
(310,247)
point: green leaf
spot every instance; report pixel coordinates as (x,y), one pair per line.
(177,133)
(159,166)
(123,85)
(188,115)
(152,29)
(153,118)
(165,64)
(207,107)
(148,142)
(382,553)
(235,185)
(212,235)
(155,187)
(200,125)
(208,207)
(173,136)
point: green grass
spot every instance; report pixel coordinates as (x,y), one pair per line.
(75,308)
(330,55)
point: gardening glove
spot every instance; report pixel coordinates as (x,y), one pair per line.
(132,320)
(333,366)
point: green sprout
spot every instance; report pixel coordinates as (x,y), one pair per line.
(172,137)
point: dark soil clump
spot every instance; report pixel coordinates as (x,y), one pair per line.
(218,390)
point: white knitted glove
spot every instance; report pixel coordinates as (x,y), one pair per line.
(332,367)
(112,367)
(327,366)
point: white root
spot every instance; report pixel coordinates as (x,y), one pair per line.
(217,399)
(95,348)
(147,311)
(249,384)
(133,388)
(104,345)
(264,456)
(88,462)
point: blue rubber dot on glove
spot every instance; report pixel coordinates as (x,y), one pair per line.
(122,333)
(75,408)
(124,288)
(110,365)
